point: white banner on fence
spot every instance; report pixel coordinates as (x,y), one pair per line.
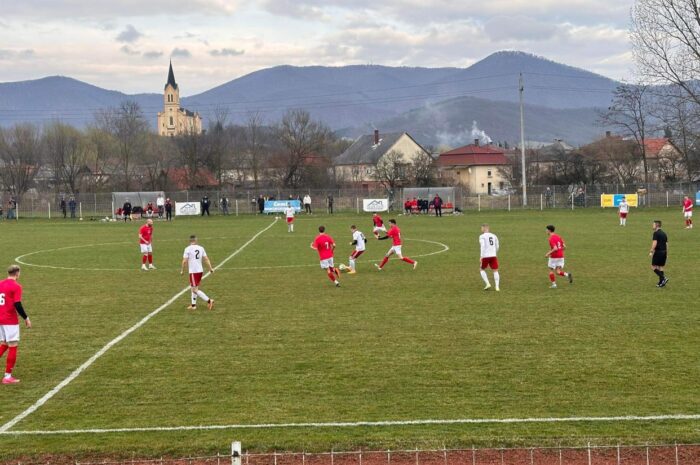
(375,205)
(187,208)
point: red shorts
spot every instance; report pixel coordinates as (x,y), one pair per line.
(195,279)
(290,220)
(623,215)
(489,262)
(356,253)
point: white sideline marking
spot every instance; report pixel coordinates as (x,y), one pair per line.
(462,421)
(4,428)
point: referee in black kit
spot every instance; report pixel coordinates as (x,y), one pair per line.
(658,252)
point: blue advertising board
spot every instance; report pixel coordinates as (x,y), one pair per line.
(279,206)
(697,198)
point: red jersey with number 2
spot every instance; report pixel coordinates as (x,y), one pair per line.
(556,241)
(10,292)
(395,234)
(324,245)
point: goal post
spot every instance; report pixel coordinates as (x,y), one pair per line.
(139,200)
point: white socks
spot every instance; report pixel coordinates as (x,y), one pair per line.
(203,296)
(485,277)
(194,298)
(351,262)
(497,278)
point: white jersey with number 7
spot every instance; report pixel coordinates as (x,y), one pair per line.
(194,255)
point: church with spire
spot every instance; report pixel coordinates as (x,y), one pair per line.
(175,120)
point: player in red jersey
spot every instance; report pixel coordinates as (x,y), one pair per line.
(325,245)
(688,212)
(145,241)
(556,257)
(10,307)
(378,225)
(395,234)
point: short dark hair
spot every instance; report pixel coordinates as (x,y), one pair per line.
(12,270)
(353,227)
(550,227)
(658,222)
(392,221)
(193,238)
(321,229)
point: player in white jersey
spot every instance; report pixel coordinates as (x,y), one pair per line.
(489,251)
(289,213)
(624,211)
(193,257)
(359,241)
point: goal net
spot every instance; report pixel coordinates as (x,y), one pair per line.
(139,201)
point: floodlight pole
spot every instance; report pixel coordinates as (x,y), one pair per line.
(521,89)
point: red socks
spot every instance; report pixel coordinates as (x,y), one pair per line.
(150,259)
(11,359)
(384,260)
(408,260)
(331,274)
(3,348)
(551,276)
(561,273)
(144,258)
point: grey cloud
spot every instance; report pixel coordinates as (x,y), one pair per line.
(7,54)
(152,55)
(80,9)
(129,51)
(180,52)
(226,52)
(129,35)
(504,28)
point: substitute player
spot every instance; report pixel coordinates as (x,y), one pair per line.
(193,257)
(359,241)
(556,257)
(146,244)
(10,307)
(658,253)
(489,256)
(624,209)
(378,225)
(325,245)
(289,213)
(688,212)
(395,234)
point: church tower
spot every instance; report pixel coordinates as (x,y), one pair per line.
(174,120)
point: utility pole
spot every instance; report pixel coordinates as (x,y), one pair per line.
(522,140)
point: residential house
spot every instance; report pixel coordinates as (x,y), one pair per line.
(479,168)
(357,164)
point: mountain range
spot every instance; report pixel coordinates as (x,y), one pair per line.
(435,105)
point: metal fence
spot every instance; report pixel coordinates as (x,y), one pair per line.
(665,454)
(241,202)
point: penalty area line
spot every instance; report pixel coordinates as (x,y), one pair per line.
(4,429)
(355,424)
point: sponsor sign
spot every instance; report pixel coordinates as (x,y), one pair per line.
(375,205)
(187,208)
(279,206)
(613,200)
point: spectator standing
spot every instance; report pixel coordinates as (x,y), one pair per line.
(205,205)
(71,206)
(224,205)
(261,204)
(62,206)
(168,210)
(160,205)
(126,210)
(11,208)
(548,198)
(330,203)
(437,203)
(307,204)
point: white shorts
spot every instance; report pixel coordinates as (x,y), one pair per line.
(396,249)
(9,333)
(379,228)
(327,263)
(555,263)
(146,248)
(688,214)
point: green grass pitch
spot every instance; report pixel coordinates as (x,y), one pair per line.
(283,345)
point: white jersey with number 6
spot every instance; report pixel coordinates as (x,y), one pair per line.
(489,245)
(194,255)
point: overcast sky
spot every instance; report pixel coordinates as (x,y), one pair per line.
(126,44)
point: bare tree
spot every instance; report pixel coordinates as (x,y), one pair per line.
(619,157)
(666,43)
(218,143)
(301,137)
(129,128)
(422,169)
(102,149)
(191,148)
(681,118)
(253,140)
(391,170)
(67,152)
(20,154)
(157,162)
(629,113)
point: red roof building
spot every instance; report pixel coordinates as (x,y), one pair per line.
(479,168)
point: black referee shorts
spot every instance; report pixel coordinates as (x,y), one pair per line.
(658,259)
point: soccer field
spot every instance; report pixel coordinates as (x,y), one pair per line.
(284,346)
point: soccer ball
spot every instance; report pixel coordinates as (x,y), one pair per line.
(342,267)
